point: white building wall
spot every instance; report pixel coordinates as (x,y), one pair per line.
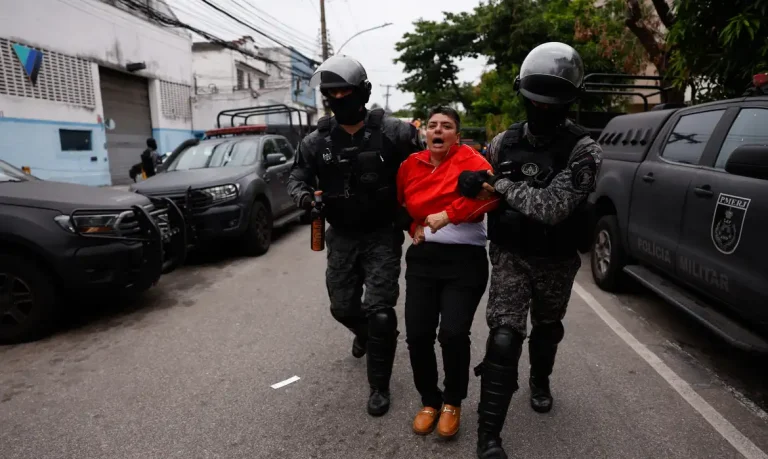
(95,32)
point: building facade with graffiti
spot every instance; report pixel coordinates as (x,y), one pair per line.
(84,83)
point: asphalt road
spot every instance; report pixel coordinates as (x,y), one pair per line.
(187,373)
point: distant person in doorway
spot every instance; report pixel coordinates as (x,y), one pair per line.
(150,158)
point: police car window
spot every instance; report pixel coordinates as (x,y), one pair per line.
(285,148)
(269,147)
(689,137)
(749,128)
(227,153)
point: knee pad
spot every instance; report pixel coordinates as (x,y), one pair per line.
(504,346)
(383,322)
(549,333)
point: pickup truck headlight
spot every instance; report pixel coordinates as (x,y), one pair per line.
(104,224)
(222,193)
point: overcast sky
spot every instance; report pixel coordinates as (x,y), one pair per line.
(297,23)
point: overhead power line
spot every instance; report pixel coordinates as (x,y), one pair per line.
(162,18)
(226,13)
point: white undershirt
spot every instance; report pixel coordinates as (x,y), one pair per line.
(463,233)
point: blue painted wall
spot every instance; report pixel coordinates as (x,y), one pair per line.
(36,143)
(301,66)
(168,139)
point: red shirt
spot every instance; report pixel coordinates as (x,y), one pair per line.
(425,189)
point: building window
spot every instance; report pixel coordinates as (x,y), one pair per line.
(175,100)
(262,83)
(240,79)
(75,140)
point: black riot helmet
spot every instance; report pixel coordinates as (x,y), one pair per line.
(341,72)
(552,73)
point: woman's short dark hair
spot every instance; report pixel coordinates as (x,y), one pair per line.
(447,111)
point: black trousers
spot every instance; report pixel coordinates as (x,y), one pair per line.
(444,284)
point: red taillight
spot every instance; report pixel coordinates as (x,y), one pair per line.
(253,129)
(760,80)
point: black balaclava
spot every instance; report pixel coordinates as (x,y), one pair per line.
(350,109)
(544,122)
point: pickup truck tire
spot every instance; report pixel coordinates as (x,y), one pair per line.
(258,235)
(607,257)
(27,300)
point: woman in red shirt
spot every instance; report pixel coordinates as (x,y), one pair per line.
(446,268)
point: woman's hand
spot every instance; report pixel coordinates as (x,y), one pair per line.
(437,221)
(418,235)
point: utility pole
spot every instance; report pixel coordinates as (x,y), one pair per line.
(324,40)
(386,105)
(323,31)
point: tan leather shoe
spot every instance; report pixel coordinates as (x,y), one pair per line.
(450,418)
(425,421)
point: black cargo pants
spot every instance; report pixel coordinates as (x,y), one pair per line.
(362,259)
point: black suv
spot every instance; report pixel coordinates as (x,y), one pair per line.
(61,237)
(231,184)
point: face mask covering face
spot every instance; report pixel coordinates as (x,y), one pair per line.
(544,121)
(349,109)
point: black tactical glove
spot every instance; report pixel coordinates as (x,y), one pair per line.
(471,183)
(305,202)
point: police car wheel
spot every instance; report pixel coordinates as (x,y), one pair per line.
(258,236)
(27,300)
(607,256)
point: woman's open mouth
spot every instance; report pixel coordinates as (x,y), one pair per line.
(437,141)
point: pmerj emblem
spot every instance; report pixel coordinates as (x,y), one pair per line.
(585,179)
(530,169)
(728,222)
(327,155)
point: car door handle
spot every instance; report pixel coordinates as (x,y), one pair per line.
(648,177)
(704,191)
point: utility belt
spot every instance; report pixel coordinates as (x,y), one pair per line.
(514,231)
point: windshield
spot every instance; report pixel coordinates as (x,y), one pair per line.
(9,173)
(227,153)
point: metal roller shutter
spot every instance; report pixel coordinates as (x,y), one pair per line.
(126,100)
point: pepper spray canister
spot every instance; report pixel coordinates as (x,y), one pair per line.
(318,224)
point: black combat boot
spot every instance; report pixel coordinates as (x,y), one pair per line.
(497,385)
(381,357)
(542,348)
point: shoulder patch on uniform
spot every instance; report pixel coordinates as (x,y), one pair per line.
(583,171)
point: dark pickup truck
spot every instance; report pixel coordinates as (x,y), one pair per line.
(65,238)
(681,205)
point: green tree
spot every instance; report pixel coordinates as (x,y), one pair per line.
(504,31)
(718,45)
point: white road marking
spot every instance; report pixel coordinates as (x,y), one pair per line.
(732,435)
(290,380)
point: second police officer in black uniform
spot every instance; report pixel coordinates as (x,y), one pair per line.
(354,156)
(544,168)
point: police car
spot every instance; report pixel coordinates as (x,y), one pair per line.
(681,205)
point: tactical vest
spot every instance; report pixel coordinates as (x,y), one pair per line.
(519,161)
(358,182)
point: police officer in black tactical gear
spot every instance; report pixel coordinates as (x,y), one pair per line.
(544,168)
(354,156)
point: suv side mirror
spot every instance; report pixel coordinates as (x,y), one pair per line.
(749,161)
(274,159)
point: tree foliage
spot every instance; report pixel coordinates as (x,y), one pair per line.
(504,32)
(719,45)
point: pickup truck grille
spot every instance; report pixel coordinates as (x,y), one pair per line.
(197,200)
(129,226)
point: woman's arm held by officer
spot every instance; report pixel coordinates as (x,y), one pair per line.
(568,189)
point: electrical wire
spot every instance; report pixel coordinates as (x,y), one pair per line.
(226,13)
(162,18)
